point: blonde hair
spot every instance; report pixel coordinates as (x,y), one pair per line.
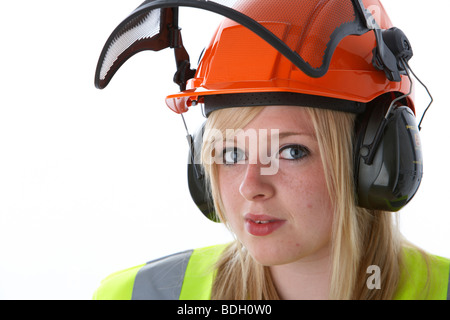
(360,237)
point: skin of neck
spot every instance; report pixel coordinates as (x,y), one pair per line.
(305,279)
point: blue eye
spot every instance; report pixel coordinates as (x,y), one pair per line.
(293,152)
(233,155)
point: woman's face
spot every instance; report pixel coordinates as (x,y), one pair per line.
(284,215)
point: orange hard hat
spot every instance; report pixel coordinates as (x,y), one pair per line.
(238,61)
(303,52)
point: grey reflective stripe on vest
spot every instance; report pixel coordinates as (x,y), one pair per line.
(161,279)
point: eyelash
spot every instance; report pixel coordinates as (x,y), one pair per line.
(304,150)
(304,153)
(225,152)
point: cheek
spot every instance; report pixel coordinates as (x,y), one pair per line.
(317,196)
(309,195)
(307,182)
(228,184)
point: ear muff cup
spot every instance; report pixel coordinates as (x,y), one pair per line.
(197,179)
(394,176)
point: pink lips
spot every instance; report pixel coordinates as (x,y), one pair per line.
(261,225)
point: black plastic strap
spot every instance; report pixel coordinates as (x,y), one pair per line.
(184,71)
(222,101)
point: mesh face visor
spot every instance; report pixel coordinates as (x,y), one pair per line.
(154,26)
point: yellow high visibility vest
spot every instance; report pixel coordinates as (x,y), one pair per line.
(423,278)
(189,275)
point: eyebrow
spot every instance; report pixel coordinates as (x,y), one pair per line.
(282,135)
(289,133)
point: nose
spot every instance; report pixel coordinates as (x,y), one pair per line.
(254,186)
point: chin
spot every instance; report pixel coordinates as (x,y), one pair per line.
(272,255)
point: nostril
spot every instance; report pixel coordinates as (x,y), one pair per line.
(258,196)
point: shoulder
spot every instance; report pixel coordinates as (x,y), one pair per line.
(424,276)
(161,279)
(117,286)
(419,261)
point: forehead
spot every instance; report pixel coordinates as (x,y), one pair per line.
(283,118)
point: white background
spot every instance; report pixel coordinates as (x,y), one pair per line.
(94,181)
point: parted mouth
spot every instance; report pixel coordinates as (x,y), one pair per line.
(260,218)
(262,225)
(263,221)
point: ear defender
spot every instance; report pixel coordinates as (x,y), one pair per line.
(388,164)
(196,177)
(387,172)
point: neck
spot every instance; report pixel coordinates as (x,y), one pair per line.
(306,279)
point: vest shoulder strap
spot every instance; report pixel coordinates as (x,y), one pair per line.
(200,273)
(424,277)
(161,279)
(186,275)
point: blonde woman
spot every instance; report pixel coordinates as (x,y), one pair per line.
(309,148)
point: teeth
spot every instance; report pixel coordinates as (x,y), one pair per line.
(261,222)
